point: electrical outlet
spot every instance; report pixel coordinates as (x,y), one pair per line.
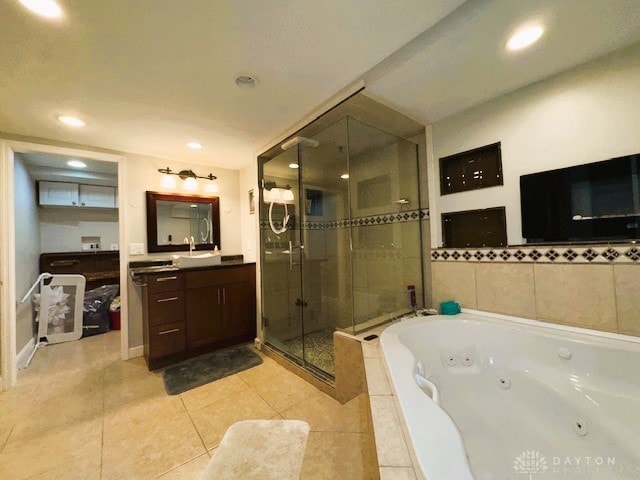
(136,249)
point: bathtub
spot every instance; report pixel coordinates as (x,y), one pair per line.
(486,396)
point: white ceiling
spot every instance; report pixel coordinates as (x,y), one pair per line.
(470,64)
(150,75)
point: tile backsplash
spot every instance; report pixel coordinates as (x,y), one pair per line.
(589,294)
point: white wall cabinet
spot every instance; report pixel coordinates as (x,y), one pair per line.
(58,194)
(97,196)
(62,194)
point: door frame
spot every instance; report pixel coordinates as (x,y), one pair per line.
(8,294)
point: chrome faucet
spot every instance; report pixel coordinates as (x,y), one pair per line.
(191,242)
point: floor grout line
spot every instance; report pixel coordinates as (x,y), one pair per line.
(194,425)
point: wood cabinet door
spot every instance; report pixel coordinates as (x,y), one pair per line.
(203,316)
(236,309)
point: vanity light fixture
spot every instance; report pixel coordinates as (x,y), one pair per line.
(194,145)
(76,164)
(189,178)
(293,165)
(275,194)
(344,176)
(44,8)
(70,121)
(525,37)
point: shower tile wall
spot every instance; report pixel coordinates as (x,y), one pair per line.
(386,254)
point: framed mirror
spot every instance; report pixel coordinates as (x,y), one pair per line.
(173,217)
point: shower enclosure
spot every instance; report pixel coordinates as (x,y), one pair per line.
(340,236)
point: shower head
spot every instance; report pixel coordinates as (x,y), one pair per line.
(302,141)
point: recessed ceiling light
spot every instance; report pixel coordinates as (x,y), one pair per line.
(525,37)
(44,8)
(293,165)
(246,81)
(194,145)
(344,176)
(76,164)
(71,121)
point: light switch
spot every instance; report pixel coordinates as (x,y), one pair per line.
(136,249)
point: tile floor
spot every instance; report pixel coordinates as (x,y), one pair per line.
(79,412)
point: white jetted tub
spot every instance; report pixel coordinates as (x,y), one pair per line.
(487,396)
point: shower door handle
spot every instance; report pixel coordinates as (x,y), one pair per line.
(290,252)
(301,303)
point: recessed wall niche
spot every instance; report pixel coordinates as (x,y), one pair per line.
(471,170)
(475,228)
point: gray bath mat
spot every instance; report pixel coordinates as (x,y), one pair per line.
(206,368)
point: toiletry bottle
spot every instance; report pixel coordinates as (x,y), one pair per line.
(411,297)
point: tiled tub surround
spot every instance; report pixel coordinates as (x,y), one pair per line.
(601,294)
(394,455)
(513,385)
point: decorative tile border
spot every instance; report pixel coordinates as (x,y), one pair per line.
(382,219)
(623,253)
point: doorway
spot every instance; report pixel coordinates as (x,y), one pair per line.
(25,167)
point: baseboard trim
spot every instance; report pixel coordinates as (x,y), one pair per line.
(136,351)
(23,357)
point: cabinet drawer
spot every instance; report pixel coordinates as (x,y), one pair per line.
(167,339)
(167,307)
(218,276)
(166,282)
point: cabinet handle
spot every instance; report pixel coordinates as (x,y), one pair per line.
(171,299)
(173,330)
(218,296)
(82,204)
(224,295)
(166,279)
(73,203)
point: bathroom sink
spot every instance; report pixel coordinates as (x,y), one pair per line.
(201,260)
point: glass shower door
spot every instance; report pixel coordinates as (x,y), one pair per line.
(326,266)
(281,254)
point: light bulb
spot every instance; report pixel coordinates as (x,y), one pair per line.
(211,186)
(71,121)
(76,164)
(45,8)
(287,195)
(168,181)
(524,38)
(190,183)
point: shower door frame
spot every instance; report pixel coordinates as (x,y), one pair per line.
(299,248)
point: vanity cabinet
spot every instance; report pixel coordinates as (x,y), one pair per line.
(187,313)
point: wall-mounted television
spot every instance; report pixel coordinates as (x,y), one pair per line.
(590,203)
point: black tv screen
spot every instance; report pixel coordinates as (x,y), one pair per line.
(595,202)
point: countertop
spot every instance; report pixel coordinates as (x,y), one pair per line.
(138,269)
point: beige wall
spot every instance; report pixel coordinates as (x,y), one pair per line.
(586,114)
(27,249)
(62,229)
(602,297)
